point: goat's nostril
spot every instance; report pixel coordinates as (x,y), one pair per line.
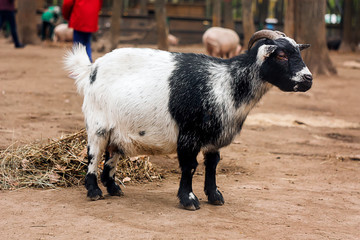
(307,77)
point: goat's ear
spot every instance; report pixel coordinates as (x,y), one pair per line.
(303,46)
(265,51)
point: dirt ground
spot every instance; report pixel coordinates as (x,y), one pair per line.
(293,173)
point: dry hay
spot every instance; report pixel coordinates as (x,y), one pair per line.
(61,163)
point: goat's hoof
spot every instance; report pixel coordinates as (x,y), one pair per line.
(95,194)
(215,198)
(189,201)
(114,190)
(192,207)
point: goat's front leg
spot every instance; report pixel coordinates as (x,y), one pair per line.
(214,195)
(188,164)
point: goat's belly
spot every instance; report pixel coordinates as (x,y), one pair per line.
(149,141)
(139,147)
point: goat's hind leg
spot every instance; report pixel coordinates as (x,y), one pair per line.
(112,156)
(97,141)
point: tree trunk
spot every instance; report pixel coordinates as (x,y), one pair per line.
(117,9)
(228,15)
(216,15)
(289,24)
(247,21)
(310,28)
(346,40)
(27,21)
(162,27)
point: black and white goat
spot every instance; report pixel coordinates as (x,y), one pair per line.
(145,101)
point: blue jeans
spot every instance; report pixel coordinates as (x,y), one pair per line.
(85,39)
(9,16)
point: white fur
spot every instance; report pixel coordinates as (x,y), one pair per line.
(120,92)
(220,84)
(220,80)
(192,196)
(264,51)
(78,64)
(298,76)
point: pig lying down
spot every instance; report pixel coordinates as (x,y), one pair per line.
(221,42)
(146,101)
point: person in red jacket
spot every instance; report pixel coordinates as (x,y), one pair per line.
(83,16)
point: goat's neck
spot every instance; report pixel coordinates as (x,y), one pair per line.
(248,86)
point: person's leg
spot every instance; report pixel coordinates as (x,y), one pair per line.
(88,45)
(51,30)
(1,19)
(10,17)
(43,30)
(85,39)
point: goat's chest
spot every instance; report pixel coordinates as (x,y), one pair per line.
(232,120)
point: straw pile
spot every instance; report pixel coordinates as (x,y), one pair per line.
(61,163)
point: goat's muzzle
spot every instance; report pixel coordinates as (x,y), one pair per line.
(305,84)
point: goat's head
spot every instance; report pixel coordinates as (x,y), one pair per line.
(280,61)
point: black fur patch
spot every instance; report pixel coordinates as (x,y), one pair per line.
(109,181)
(91,181)
(90,156)
(241,84)
(190,102)
(93,75)
(188,163)
(105,175)
(94,192)
(214,195)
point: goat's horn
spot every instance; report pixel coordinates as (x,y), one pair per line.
(265,34)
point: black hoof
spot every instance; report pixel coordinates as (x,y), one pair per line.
(94,194)
(189,201)
(114,189)
(215,197)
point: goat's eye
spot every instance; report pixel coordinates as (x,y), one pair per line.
(282,56)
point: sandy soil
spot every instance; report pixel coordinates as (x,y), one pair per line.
(292,174)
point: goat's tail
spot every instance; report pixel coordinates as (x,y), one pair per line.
(77,62)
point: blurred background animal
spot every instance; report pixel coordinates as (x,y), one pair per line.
(62,33)
(173,41)
(221,42)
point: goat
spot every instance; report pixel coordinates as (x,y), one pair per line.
(146,101)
